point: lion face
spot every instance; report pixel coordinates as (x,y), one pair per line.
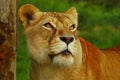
(51,36)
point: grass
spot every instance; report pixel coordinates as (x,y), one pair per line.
(98,26)
(23,61)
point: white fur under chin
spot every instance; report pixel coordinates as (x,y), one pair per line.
(65,61)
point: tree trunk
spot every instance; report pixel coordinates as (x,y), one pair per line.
(8,25)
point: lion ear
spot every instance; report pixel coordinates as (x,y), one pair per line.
(27,13)
(72,11)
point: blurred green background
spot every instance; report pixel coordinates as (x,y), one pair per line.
(99,23)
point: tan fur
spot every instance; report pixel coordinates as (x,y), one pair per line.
(57,53)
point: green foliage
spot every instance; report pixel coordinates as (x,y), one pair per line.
(102,36)
(91,15)
(46,5)
(23,61)
(97,24)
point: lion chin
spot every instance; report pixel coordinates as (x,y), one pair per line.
(64,58)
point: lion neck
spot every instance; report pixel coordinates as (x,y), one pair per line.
(51,71)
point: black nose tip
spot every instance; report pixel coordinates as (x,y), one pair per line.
(67,40)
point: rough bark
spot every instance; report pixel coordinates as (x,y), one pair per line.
(8,27)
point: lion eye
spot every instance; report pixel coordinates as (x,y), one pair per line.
(72,27)
(48,25)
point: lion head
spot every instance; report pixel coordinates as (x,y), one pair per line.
(51,36)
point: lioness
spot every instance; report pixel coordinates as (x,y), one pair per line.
(57,53)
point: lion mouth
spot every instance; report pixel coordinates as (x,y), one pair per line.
(63,53)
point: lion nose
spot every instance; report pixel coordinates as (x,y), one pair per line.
(67,40)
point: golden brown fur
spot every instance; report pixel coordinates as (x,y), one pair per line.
(57,53)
